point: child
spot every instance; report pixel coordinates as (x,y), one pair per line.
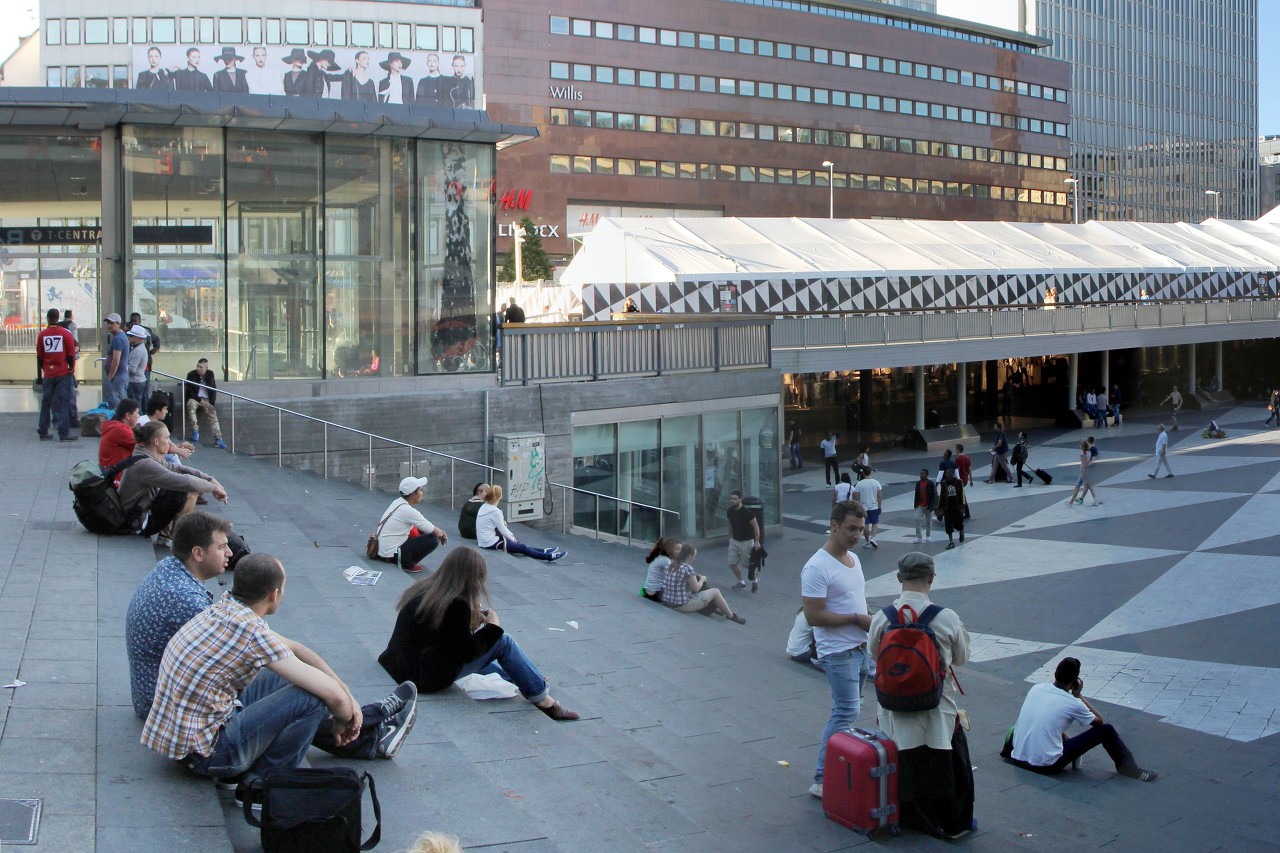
(664,550)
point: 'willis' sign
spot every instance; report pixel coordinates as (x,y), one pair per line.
(565,93)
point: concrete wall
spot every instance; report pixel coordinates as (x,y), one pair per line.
(449,420)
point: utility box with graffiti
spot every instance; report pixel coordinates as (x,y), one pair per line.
(519,458)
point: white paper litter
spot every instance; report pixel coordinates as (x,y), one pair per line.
(361,577)
(14,684)
(561,630)
(573,625)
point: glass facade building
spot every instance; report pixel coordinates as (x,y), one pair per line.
(1164,105)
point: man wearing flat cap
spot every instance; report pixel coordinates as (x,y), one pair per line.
(230,78)
(935,781)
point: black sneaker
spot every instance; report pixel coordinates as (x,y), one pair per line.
(44,436)
(392,732)
(405,693)
(68,437)
(755,586)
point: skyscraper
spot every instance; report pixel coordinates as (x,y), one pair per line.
(1164,112)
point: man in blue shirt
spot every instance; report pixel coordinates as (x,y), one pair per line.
(169,596)
(115,367)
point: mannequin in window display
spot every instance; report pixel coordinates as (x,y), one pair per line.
(357,85)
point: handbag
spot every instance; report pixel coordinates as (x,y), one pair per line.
(312,810)
(371,547)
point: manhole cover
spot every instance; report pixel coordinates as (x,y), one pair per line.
(19,821)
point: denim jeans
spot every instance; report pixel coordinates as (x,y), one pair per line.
(277,725)
(511,546)
(1072,748)
(415,549)
(512,664)
(137,391)
(846,675)
(795,456)
(113,390)
(55,397)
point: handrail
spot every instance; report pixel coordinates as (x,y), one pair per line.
(369,470)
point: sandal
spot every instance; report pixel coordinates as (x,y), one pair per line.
(736,618)
(558,712)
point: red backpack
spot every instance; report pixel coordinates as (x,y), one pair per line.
(909,673)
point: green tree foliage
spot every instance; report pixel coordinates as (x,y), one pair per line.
(537,267)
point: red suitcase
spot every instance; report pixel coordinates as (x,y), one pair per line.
(860,783)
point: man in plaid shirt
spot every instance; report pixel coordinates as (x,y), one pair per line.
(298,702)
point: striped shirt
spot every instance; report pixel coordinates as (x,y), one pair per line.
(205,666)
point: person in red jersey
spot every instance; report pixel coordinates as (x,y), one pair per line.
(56,363)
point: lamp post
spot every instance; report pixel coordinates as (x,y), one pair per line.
(831,188)
(1217,201)
(1075,198)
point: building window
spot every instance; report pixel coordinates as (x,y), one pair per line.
(230,30)
(320,30)
(647,168)
(384,35)
(296,32)
(274,33)
(53,32)
(163,31)
(361,34)
(187,30)
(53,77)
(73,76)
(559,70)
(581,28)
(560,163)
(449,39)
(95,77)
(206,31)
(648,35)
(404,36)
(582,118)
(428,38)
(626,121)
(466,40)
(120,77)
(73,30)
(120,30)
(581,165)
(559,25)
(140,31)
(255,31)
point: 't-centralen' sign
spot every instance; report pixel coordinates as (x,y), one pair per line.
(84,235)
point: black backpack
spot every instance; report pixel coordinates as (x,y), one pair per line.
(312,810)
(97,503)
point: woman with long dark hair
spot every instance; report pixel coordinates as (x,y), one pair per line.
(446,629)
(664,551)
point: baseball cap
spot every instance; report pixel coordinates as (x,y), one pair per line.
(137,332)
(112,318)
(409,485)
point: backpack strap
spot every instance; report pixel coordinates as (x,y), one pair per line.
(376,836)
(118,468)
(386,518)
(926,616)
(891,613)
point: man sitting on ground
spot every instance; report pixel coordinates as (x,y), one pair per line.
(1038,742)
(289,698)
(169,596)
(470,509)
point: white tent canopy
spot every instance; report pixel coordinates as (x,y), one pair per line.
(631,251)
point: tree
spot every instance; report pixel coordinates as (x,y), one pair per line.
(535,264)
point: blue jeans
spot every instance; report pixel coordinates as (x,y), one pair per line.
(137,391)
(277,725)
(795,456)
(846,675)
(511,546)
(507,659)
(113,390)
(55,397)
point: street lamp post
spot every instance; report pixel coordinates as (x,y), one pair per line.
(1217,202)
(831,188)
(1075,198)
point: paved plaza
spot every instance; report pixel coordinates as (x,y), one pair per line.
(698,734)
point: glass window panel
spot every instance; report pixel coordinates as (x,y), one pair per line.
(230,30)
(53,76)
(428,38)
(53,31)
(604,120)
(582,72)
(626,32)
(73,30)
(120,77)
(604,74)
(362,34)
(559,71)
(559,25)
(647,79)
(253,33)
(275,33)
(74,77)
(581,27)
(707,171)
(140,30)
(626,76)
(686,39)
(95,77)
(747,88)
(95,31)
(604,166)
(764,48)
(804,53)
(648,124)
(647,168)
(765,174)
(766,132)
(626,121)
(449,39)
(706,41)
(604,30)
(626,167)
(595,469)
(384,34)
(187,30)
(581,165)
(784,50)
(560,163)
(668,38)
(648,35)
(726,43)
(667,169)
(667,80)
(747,46)
(747,174)
(706,84)
(721,468)
(206,31)
(668,124)
(688,171)
(296,32)
(558,115)
(582,118)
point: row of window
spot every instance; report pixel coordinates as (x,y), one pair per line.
(610,75)
(300,31)
(848,14)
(90,77)
(577,164)
(802,135)
(801,53)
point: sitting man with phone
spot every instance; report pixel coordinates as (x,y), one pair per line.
(1038,741)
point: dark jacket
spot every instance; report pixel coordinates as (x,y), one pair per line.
(191,80)
(228,80)
(190,392)
(467,518)
(160,80)
(406,89)
(432,659)
(930,496)
(300,85)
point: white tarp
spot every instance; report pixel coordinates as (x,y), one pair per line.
(650,251)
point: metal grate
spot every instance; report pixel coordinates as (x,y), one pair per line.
(19,821)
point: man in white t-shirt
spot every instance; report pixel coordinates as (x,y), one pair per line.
(870,493)
(1038,742)
(830,462)
(395,545)
(833,592)
(1162,453)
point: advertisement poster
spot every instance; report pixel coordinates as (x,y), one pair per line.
(351,74)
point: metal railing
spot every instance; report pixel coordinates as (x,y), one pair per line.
(388,442)
(861,329)
(579,352)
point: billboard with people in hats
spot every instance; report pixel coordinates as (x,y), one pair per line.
(351,74)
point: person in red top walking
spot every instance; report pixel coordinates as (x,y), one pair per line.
(117,442)
(964,466)
(56,363)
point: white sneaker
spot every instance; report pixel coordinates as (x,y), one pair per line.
(866,546)
(917,540)
(815,790)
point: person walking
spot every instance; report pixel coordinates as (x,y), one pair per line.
(1000,456)
(829,460)
(793,446)
(1082,482)
(843,490)
(1175,400)
(1273,406)
(744,537)
(951,505)
(1115,404)
(935,776)
(870,495)
(1162,453)
(1020,459)
(926,501)
(833,593)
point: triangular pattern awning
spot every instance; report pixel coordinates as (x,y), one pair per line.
(780,252)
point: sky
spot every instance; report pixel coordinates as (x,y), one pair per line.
(18,18)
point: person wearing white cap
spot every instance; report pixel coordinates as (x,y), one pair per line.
(115,354)
(137,364)
(396,542)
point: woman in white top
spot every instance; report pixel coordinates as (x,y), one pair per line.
(843,491)
(395,545)
(492,532)
(664,551)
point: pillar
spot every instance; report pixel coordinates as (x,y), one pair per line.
(962,393)
(1217,364)
(919,377)
(1106,370)
(1191,370)
(1073,370)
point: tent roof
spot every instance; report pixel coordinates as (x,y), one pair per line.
(644,251)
